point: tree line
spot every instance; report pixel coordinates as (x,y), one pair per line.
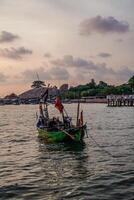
(100,89)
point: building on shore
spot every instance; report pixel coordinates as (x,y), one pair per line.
(91,99)
(11,99)
(33,96)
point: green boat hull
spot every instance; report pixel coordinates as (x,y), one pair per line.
(61,136)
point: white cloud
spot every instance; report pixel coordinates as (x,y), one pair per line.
(15,53)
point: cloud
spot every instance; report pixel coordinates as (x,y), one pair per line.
(125,73)
(82,65)
(15,53)
(55,73)
(7,37)
(3,78)
(70,61)
(47,55)
(103,25)
(119,40)
(104,55)
(30,75)
(84,68)
(59,73)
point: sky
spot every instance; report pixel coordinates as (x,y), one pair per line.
(65,41)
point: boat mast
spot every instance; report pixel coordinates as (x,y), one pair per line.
(45,103)
(78,111)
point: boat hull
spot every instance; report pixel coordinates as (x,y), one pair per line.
(61,136)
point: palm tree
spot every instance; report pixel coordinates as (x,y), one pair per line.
(38,84)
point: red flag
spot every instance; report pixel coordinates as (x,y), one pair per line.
(59,105)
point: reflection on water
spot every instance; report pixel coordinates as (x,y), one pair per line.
(30,169)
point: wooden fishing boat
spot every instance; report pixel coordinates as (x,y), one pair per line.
(75,135)
(53,130)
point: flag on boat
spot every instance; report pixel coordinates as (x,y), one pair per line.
(59,105)
(44,96)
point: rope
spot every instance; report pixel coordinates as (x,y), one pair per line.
(98,145)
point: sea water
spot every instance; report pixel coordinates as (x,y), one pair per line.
(100,169)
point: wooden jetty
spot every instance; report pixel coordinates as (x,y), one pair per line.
(120,100)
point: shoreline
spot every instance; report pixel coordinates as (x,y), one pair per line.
(103,101)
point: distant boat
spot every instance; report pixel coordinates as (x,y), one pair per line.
(53,130)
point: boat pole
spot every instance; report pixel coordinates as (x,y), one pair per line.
(78,113)
(71,136)
(66,112)
(41,109)
(63,117)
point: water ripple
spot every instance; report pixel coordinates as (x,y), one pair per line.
(29,169)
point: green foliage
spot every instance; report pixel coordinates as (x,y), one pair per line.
(102,84)
(131,83)
(102,89)
(92,84)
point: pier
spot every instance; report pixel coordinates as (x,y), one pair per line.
(120,100)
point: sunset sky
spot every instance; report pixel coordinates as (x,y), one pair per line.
(65,41)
